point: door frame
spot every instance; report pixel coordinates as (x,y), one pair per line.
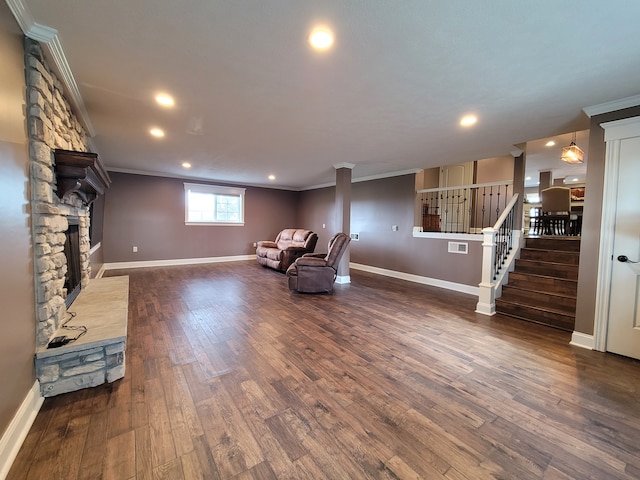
(615,132)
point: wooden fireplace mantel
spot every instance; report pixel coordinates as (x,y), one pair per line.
(81,173)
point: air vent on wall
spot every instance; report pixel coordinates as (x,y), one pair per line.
(458,247)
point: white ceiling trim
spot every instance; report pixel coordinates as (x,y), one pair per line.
(612,106)
(208,181)
(379,176)
(49,37)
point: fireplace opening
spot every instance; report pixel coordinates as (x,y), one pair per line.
(73,278)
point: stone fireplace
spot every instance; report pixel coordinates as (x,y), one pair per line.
(52,125)
(64,180)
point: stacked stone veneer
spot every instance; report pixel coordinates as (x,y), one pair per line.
(52,124)
(67,371)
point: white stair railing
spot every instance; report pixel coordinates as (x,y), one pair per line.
(500,247)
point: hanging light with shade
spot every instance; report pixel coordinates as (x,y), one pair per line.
(573,153)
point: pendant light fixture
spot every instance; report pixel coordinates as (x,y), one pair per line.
(573,153)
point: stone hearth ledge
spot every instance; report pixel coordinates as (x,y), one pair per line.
(99,355)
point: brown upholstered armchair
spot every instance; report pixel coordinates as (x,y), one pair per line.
(315,273)
(291,243)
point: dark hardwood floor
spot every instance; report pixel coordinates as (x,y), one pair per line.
(230,375)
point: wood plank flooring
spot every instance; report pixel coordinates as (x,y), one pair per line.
(231,376)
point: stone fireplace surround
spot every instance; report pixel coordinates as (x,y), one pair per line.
(52,125)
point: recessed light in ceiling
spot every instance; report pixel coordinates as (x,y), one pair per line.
(468,120)
(165,100)
(157,132)
(321,38)
(528,178)
(550,143)
(186,165)
(271,177)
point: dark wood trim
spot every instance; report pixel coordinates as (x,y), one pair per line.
(81,173)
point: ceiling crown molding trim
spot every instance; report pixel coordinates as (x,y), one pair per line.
(49,37)
(344,165)
(612,106)
(378,176)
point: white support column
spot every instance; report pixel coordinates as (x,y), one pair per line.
(487,298)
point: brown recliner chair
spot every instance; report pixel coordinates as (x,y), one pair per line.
(291,243)
(316,273)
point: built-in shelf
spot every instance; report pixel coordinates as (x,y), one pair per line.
(81,173)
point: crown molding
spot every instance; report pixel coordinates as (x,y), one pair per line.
(49,37)
(344,165)
(378,176)
(612,106)
(131,171)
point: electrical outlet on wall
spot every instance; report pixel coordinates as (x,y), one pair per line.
(135,249)
(255,244)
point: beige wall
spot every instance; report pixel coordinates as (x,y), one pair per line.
(494,169)
(17,321)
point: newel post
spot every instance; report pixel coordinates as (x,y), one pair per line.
(487,296)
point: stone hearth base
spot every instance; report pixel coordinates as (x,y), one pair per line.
(99,355)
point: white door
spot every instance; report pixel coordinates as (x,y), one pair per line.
(454,206)
(623,329)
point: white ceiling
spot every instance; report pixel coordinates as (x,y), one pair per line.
(386,98)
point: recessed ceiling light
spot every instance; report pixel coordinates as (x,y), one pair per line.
(550,143)
(165,100)
(271,177)
(156,132)
(321,38)
(528,178)
(186,165)
(468,120)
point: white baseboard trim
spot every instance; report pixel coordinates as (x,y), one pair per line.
(342,279)
(17,430)
(95,248)
(486,309)
(458,287)
(178,261)
(582,340)
(100,272)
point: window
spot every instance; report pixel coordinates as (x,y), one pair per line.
(213,205)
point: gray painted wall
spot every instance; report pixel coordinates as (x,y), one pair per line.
(148,212)
(591,220)
(376,206)
(17,346)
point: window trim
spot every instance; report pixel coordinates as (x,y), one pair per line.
(213,190)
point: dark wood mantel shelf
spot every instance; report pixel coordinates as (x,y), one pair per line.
(81,173)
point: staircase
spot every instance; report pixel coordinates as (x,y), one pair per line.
(543,286)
